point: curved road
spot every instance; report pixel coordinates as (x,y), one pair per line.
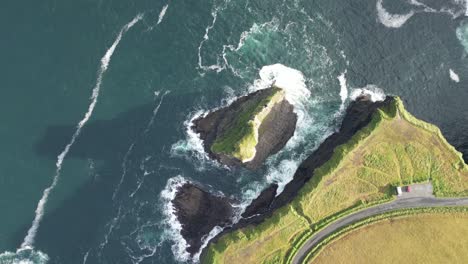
(400,203)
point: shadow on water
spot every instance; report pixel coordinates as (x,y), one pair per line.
(77,225)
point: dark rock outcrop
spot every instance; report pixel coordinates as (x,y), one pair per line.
(358,115)
(262,203)
(199,212)
(274,132)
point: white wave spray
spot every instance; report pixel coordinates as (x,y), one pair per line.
(397,20)
(375,93)
(175,227)
(343,90)
(391,20)
(29,239)
(292,82)
(454,76)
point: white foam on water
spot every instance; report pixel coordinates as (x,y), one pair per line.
(162,13)
(215,67)
(376,94)
(85,257)
(130,149)
(192,146)
(124,170)
(391,20)
(462,35)
(283,173)
(24,255)
(466,7)
(155,111)
(255,29)
(216,230)
(29,239)
(292,82)
(111,225)
(343,90)
(174,226)
(398,20)
(454,76)
(193,142)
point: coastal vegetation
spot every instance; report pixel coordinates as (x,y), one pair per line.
(394,149)
(241,138)
(414,236)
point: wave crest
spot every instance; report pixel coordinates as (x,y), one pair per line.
(24,256)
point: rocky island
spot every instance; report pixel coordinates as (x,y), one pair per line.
(249,130)
(199,212)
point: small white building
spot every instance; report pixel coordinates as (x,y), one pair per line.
(399,191)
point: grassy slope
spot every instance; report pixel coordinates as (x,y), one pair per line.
(242,138)
(411,239)
(394,148)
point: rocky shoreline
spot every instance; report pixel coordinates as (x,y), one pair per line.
(209,211)
(358,115)
(199,212)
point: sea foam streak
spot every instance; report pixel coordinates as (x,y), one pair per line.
(214,67)
(206,37)
(29,239)
(162,13)
(130,149)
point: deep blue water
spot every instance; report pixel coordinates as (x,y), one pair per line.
(119,81)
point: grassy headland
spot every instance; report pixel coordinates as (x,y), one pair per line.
(241,138)
(394,148)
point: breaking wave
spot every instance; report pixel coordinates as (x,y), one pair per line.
(24,256)
(192,146)
(343,90)
(174,227)
(29,239)
(462,34)
(376,94)
(293,83)
(391,20)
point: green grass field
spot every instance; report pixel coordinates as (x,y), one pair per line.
(242,138)
(425,238)
(395,148)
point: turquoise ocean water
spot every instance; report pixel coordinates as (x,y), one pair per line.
(97,98)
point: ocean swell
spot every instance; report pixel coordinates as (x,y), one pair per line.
(105,60)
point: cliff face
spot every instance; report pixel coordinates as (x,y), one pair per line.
(199,212)
(263,119)
(357,116)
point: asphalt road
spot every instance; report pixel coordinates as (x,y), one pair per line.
(400,203)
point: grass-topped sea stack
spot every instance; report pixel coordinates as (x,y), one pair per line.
(250,129)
